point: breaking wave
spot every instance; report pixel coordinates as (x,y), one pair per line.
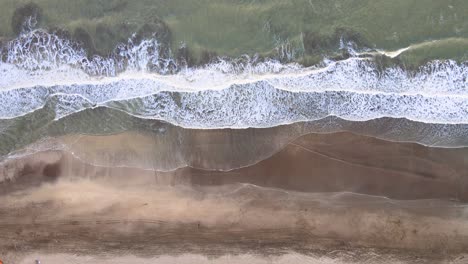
(49,84)
(40,50)
(350,89)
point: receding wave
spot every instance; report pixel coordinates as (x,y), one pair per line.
(145,144)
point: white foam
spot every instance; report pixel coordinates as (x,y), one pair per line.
(261,105)
(44,68)
(40,50)
(351,89)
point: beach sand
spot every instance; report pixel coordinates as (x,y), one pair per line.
(322,198)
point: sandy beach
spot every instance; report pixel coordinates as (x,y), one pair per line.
(315,196)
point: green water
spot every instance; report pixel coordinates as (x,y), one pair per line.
(308,28)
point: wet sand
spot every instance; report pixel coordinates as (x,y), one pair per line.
(337,162)
(320,194)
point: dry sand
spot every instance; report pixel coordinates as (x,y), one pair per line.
(288,258)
